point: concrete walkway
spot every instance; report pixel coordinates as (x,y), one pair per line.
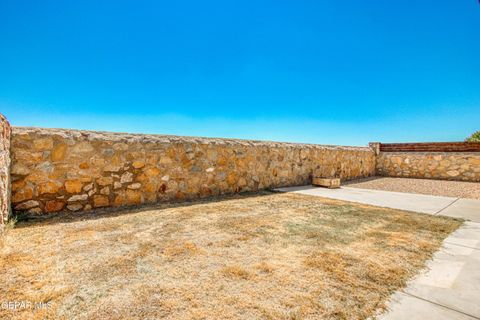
(468,209)
(449,288)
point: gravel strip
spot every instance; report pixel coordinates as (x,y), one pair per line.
(459,189)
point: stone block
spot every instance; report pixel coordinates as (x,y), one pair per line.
(331,183)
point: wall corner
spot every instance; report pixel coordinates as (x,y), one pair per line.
(5,191)
(375,146)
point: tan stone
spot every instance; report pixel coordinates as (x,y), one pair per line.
(138,164)
(188,168)
(37,177)
(27,205)
(242,182)
(74,207)
(152,172)
(78,197)
(43,144)
(59,152)
(453,173)
(151,198)
(36,211)
(82,147)
(54,206)
(165,160)
(111,168)
(100,201)
(105,191)
(133,197)
(474,161)
(88,187)
(126,177)
(73,186)
(151,186)
(27,156)
(19,169)
(120,199)
(104,181)
(48,187)
(331,183)
(134,186)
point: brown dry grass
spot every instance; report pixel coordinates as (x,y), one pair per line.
(272,256)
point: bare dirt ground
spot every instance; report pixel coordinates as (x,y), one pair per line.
(269,256)
(459,189)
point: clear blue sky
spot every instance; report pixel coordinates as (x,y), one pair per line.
(334,72)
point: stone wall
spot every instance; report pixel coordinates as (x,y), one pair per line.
(4,170)
(68,170)
(433,165)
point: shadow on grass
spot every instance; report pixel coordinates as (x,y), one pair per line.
(25,221)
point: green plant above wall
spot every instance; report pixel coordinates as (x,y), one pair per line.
(475,137)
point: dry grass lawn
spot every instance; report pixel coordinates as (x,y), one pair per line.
(269,256)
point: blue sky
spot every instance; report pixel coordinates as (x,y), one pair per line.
(331,72)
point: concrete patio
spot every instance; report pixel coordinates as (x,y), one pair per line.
(449,287)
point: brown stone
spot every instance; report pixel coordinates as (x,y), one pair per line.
(26,193)
(54,205)
(83,165)
(17,185)
(179,195)
(100,201)
(231,178)
(73,186)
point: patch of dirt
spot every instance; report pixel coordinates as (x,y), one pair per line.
(270,256)
(458,189)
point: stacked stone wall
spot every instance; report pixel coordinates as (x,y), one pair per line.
(464,166)
(69,170)
(5,131)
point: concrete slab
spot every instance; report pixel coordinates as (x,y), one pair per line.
(451,279)
(468,209)
(396,200)
(404,306)
(453,276)
(449,288)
